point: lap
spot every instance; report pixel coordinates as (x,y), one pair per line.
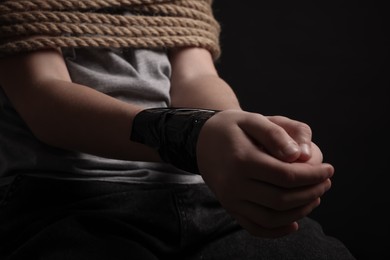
(61,219)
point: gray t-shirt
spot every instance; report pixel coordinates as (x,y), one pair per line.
(136,76)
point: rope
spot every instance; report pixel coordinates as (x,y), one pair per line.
(103,24)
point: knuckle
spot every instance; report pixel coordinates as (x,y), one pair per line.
(304,128)
(274,132)
(281,118)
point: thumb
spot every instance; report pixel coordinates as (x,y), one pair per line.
(271,137)
(299,131)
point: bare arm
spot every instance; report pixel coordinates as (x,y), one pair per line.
(196,83)
(68,115)
(265,171)
(266,194)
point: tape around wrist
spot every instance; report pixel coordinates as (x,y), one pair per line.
(173,132)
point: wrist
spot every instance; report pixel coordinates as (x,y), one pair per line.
(173,132)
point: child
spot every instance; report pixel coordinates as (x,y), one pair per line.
(119,139)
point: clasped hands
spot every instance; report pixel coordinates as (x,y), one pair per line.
(265,171)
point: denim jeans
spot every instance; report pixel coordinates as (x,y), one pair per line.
(70,220)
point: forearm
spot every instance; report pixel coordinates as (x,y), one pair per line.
(76,117)
(195,82)
(207,91)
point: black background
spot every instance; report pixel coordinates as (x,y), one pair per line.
(328,68)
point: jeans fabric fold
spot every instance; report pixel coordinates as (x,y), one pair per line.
(51,219)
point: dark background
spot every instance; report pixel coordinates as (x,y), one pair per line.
(328,68)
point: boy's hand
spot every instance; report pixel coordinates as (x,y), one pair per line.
(253,166)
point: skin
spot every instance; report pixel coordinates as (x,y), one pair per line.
(265,170)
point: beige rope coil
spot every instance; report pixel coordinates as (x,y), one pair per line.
(153,24)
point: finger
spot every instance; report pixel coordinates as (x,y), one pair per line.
(270,219)
(299,131)
(259,231)
(316,155)
(263,167)
(280,199)
(273,138)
